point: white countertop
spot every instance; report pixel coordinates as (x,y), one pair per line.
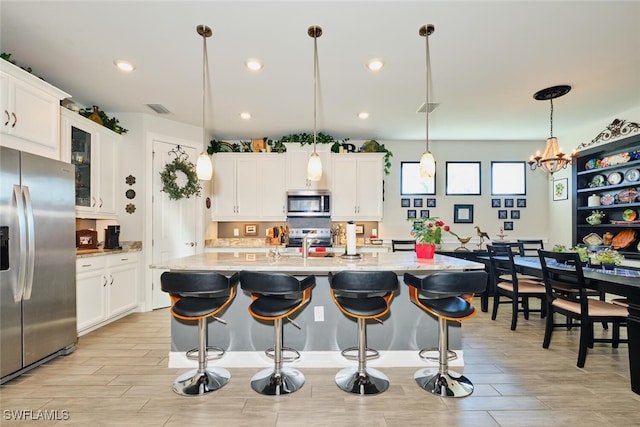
(399,262)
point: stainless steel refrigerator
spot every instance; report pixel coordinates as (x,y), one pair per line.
(37,272)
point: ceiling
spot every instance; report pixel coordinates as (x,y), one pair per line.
(487,61)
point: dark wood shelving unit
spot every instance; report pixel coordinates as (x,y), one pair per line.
(585,186)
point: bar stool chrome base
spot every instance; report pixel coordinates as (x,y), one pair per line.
(197,383)
(448,384)
(273,383)
(371,381)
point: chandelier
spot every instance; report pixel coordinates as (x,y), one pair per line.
(427,162)
(552,158)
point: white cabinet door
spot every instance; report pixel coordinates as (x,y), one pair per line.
(345,188)
(357,187)
(108,167)
(370,180)
(122,275)
(247,181)
(95,151)
(223,187)
(90,292)
(272,187)
(297,158)
(235,187)
(30,111)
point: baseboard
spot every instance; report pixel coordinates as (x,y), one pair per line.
(313,359)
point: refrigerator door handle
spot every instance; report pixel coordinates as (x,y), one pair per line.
(31,258)
(22,226)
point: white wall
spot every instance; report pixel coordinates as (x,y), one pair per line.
(533,222)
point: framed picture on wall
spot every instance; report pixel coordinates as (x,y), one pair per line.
(424,213)
(431,203)
(521,203)
(417,203)
(508,225)
(411,213)
(463,213)
(502,214)
(508,203)
(251,229)
(495,203)
(405,203)
(515,214)
(560,189)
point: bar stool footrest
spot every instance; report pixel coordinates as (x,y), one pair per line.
(270,352)
(370,353)
(451,355)
(213,353)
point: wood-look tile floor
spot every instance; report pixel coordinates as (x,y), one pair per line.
(119,376)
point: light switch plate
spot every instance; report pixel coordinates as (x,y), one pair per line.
(318,313)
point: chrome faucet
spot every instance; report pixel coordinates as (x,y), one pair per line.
(306,242)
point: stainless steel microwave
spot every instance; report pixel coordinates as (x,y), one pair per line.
(308,203)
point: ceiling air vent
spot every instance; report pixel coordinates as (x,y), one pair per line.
(158,108)
(432,106)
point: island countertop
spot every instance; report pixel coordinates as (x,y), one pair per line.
(398,262)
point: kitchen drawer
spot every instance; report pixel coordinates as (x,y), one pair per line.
(90,264)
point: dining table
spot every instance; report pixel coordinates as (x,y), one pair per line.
(620,281)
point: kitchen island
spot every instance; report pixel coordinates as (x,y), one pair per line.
(323,327)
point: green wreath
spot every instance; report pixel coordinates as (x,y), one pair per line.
(170,184)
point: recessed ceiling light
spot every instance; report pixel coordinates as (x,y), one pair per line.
(123,65)
(253,64)
(244,115)
(363,115)
(375,64)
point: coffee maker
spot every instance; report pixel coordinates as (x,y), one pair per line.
(112,237)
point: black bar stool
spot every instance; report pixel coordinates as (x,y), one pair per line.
(199,295)
(276,296)
(363,295)
(447,296)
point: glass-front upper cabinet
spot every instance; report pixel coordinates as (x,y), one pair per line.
(81,158)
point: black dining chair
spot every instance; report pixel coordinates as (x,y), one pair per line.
(563,270)
(403,245)
(508,283)
(529,247)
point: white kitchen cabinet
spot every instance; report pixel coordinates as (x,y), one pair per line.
(90,292)
(273,191)
(357,186)
(94,150)
(235,187)
(106,289)
(30,109)
(297,159)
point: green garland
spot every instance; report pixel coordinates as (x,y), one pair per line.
(169,184)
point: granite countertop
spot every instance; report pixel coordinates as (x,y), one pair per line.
(399,262)
(128,246)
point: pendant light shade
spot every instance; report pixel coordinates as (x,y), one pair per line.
(204,169)
(427,165)
(427,162)
(314,167)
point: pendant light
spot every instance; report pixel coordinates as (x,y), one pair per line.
(552,159)
(427,162)
(314,167)
(204,169)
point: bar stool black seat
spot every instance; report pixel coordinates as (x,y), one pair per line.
(363,295)
(446,296)
(200,295)
(276,296)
